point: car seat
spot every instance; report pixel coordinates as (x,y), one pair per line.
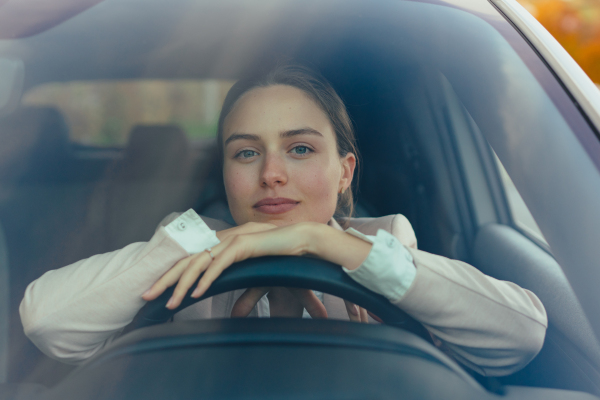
(156,176)
(38,212)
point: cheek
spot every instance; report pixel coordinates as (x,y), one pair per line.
(319,183)
(239,183)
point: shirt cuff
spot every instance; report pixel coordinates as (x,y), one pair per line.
(388,270)
(192,233)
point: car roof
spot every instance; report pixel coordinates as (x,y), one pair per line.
(186,38)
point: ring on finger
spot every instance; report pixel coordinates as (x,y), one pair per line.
(209,251)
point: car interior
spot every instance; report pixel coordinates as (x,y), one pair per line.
(419,99)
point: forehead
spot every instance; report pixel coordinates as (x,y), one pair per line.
(275,109)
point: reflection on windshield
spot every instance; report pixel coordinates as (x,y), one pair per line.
(520,213)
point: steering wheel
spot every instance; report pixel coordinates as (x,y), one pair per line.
(286,271)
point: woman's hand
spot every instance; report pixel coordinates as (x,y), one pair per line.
(249,227)
(257,240)
(291,302)
(356,313)
(283,302)
(186,265)
(239,243)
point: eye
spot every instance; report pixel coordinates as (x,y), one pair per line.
(244,154)
(302,150)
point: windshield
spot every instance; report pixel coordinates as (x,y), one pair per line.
(108,124)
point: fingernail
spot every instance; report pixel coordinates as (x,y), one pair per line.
(146,292)
(169,302)
(196,292)
(354,309)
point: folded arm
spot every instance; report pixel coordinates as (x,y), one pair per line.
(73,312)
(494,327)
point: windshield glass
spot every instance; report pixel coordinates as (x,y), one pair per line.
(102,113)
(108,124)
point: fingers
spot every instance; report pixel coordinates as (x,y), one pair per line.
(352,310)
(232,250)
(246,302)
(221,262)
(184,273)
(375,317)
(189,276)
(242,246)
(364,317)
(357,314)
(187,270)
(259,240)
(311,302)
(168,279)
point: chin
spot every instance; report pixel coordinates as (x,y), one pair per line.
(284,219)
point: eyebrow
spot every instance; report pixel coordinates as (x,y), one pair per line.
(241,136)
(301,131)
(284,134)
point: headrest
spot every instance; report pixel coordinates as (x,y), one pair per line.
(36,135)
(156,150)
(42,128)
(157,140)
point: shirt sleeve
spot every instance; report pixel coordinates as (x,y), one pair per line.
(73,312)
(388,269)
(456,302)
(192,233)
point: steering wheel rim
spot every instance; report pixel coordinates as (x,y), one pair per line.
(285,271)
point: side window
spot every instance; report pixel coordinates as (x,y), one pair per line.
(518,209)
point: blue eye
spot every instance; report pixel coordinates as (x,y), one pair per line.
(301,150)
(246,154)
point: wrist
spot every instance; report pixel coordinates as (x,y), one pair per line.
(331,244)
(313,236)
(222,235)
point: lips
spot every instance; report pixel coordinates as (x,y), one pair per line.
(277,205)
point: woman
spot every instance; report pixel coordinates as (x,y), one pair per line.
(288,163)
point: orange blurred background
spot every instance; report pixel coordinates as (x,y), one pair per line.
(576,25)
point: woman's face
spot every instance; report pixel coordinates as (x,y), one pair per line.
(281,163)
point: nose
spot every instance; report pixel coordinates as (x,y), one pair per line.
(273,172)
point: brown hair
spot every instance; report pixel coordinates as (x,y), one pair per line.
(317,88)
